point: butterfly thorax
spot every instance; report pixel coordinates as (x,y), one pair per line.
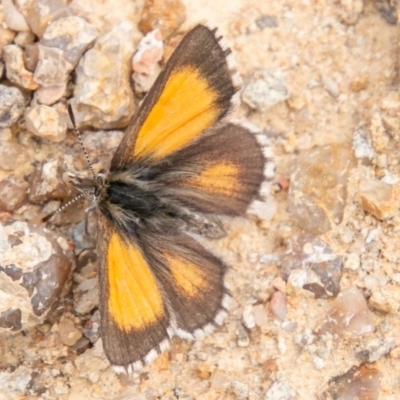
(131,197)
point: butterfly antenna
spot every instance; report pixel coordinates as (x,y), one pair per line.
(89,163)
(79,136)
(63,207)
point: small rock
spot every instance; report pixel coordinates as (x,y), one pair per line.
(109,14)
(385,122)
(12,196)
(377,128)
(87,301)
(318,189)
(60,49)
(47,183)
(204,370)
(375,349)
(33,271)
(87,284)
(278,305)
(349,314)
(166,15)
(267,21)
(49,95)
(31,56)
(72,35)
(219,381)
(145,62)
(388,10)
(2,69)
(306,337)
(9,155)
(321,267)
(352,262)
(86,263)
(12,105)
(279,284)
(40,13)
(248,317)
(24,39)
(13,18)
(11,319)
(360,382)
(81,345)
(362,146)
(91,329)
(349,11)
(101,70)
(385,298)
(6,35)
(296,102)
(69,335)
(280,390)
(46,122)
(359,83)
(6,135)
(270,258)
(15,67)
(331,86)
(380,199)
(239,389)
(85,361)
(243,339)
(260,315)
(265,89)
(81,239)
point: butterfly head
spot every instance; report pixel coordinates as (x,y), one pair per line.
(89,187)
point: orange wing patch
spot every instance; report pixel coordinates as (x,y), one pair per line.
(134,299)
(220,179)
(187,276)
(185,108)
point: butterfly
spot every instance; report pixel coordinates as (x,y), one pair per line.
(178,167)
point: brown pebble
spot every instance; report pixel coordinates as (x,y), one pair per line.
(380,199)
(69,335)
(358,84)
(204,370)
(167,15)
(47,183)
(318,187)
(360,383)
(349,314)
(278,305)
(12,196)
(31,56)
(270,366)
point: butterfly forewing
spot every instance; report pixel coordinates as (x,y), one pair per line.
(221,173)
(194,91)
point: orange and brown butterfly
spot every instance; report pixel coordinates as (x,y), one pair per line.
(178,166)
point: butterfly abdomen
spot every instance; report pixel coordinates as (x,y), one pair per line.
(133,199)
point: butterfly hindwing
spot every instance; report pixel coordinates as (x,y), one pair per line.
(195,90)
(192,278)
(134,318)
(152,286)
(221,173)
